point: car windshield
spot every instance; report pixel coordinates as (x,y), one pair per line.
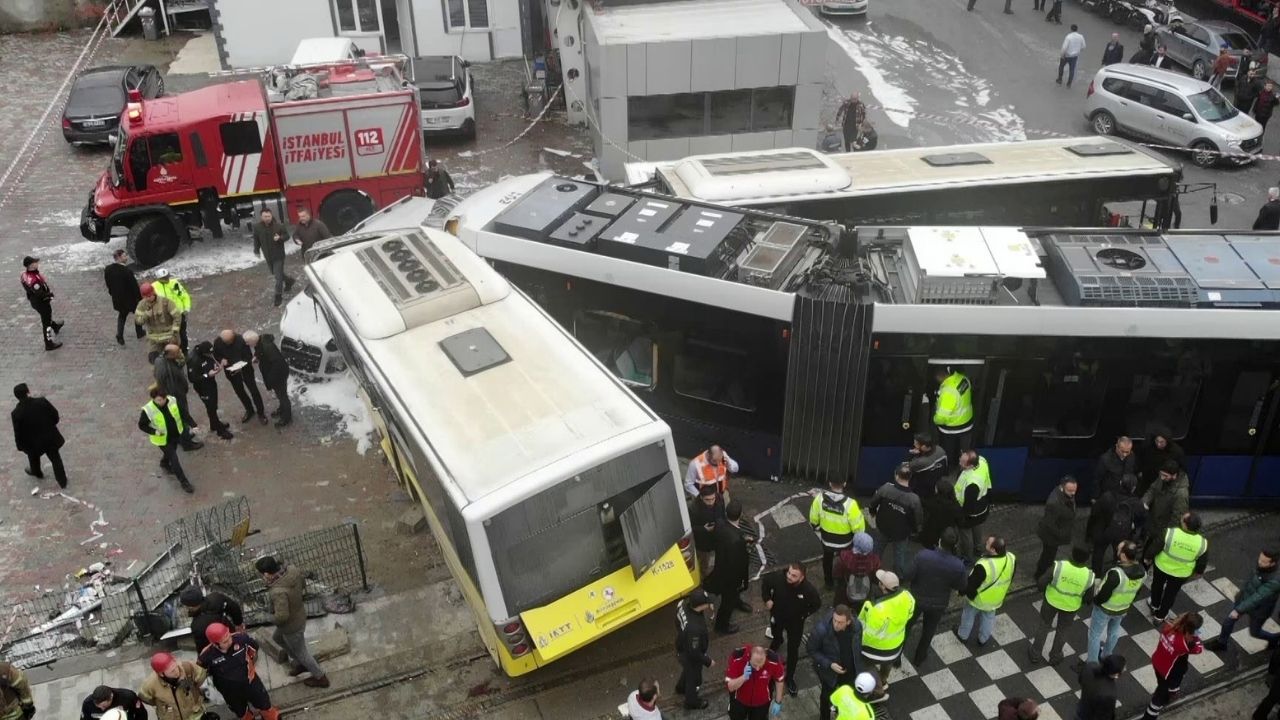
(117,157)
(1212,106)
(1236,41)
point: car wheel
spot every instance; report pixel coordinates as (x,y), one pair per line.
(1199,70)
(1104,123)
(1203,153)
(152,241)
(469,129)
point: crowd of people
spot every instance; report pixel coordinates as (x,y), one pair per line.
(878,600)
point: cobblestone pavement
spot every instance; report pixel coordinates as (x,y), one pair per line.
(307,476)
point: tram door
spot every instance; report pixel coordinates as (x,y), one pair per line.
(1244,459)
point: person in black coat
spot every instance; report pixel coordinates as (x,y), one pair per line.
(941,511)
(1269,214)
(122,286)
(202,372)
(790,598)
(1159,448)
(439,183)
(1057,524)
(206,610)
(35,432)
(228,349)
(104,698)
(1114,51)
(705,512)
(730,576)
(275,373)
(692,643)
(1113,465)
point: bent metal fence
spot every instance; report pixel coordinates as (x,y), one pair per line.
(214,548)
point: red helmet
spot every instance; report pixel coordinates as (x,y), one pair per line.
(161,662)
(147,290)
(217,632)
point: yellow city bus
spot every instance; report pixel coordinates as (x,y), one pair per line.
(552,490)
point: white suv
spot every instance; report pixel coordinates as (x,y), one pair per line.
(1169,108)
(444,91)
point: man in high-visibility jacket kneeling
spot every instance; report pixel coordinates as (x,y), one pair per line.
(884,620)
(853,703)
(1184,554)
(1065,584)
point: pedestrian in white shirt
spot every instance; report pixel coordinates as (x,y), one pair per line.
(1072,46)
(642,703)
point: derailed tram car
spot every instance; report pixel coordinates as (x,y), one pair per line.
(811,351)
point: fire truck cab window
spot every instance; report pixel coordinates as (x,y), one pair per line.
(197,150)
(139,163)
(165,148)
(240,137)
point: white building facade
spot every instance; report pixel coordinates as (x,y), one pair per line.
(251,33)
(664,80)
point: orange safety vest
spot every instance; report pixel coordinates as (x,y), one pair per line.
(709,474)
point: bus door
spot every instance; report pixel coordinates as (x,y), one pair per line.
(975,369)
(1246,458)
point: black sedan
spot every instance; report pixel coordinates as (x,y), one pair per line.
(98,97)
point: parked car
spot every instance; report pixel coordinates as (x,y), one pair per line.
(843,7)
(1195,45)
(444,90)
(98,97)
(1171,109)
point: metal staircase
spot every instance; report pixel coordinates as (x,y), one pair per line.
(120,12)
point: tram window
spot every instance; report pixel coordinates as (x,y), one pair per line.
(895,388)
(621,344)
(1069,399)
(717,374)
(1244,412)
(1167,400)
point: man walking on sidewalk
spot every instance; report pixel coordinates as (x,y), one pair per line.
(1257,599)
(285,588)
(35,432)
(122,286)
(1064,590)
(1072,45)
(1112,601)
(1185,554)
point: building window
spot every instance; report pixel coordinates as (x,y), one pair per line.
(357,15)
(723,112)
(467,14)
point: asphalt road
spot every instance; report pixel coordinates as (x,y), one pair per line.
(983,76)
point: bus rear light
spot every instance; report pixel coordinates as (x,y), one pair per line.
(684,542)
(688,563)
(521,649)
(511,628)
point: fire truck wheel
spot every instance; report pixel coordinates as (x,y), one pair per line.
(152,241)
(343,209)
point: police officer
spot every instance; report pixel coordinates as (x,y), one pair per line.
(15,694)
(40,295)
(692,641)
(851,703)
(1185,553)
(167,286)
(1113,599)
(988,583)
(1064,588)
(836,517)
(231,661)
(972,490)
(884,619)
(953,411)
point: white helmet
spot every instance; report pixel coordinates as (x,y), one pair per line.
(864,683)
(115,714)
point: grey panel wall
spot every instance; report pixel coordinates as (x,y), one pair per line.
(714,64)
(789,62)
(637,69)
(758,61)
(668,69)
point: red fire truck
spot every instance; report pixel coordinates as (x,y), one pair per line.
(1256,10)
(340,139)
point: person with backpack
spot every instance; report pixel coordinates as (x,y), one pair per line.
(1113,519)
(988,583)
(898,515)
(854,569)
(1113,599)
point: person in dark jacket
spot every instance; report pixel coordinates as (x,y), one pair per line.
(1166,501)
(122,286)
(1057,524)
(692,642)
(729,578)
(1113,465)
(927,463)
(790,598)
(1098,691)
(275,373)
(35,433)
(286,586)
(705,512)
(1247,89)
(269,238)
(309,231)
(104,698)
(231,659)
(202,373)
(1114,518)
(1263,711)
(40,295)
(941,511)
(205,610)
(1159,448)
(439,183)
(170,370)
(834,646)
(1146,47)
(1257,599)
(229,349)
(1265,103)
(1016,708)
(1269,214)
(855,571)
(1114,51)
(899,515)
(933,577)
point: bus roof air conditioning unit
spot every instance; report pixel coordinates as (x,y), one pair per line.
(1119,271)
(948,266)
(775,252)
(1238,271)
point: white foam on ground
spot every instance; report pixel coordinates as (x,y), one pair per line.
(199,259)
(897,104)
(339,395)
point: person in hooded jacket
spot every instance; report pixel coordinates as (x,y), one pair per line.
(35,433)
(122,286)
(1057,524)
(206,610)
(1114,518)
(202,372)
(1166,501)
(173,688)
(275,373)
(934,577)
(1159,448)
(855,572)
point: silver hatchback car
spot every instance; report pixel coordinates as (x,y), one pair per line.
(1169,108)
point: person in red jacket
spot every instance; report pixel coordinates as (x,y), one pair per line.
(1178,641)
(754,678)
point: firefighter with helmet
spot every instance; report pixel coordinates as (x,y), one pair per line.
(231,661)
(851,703)
(15,694)
(173,688)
